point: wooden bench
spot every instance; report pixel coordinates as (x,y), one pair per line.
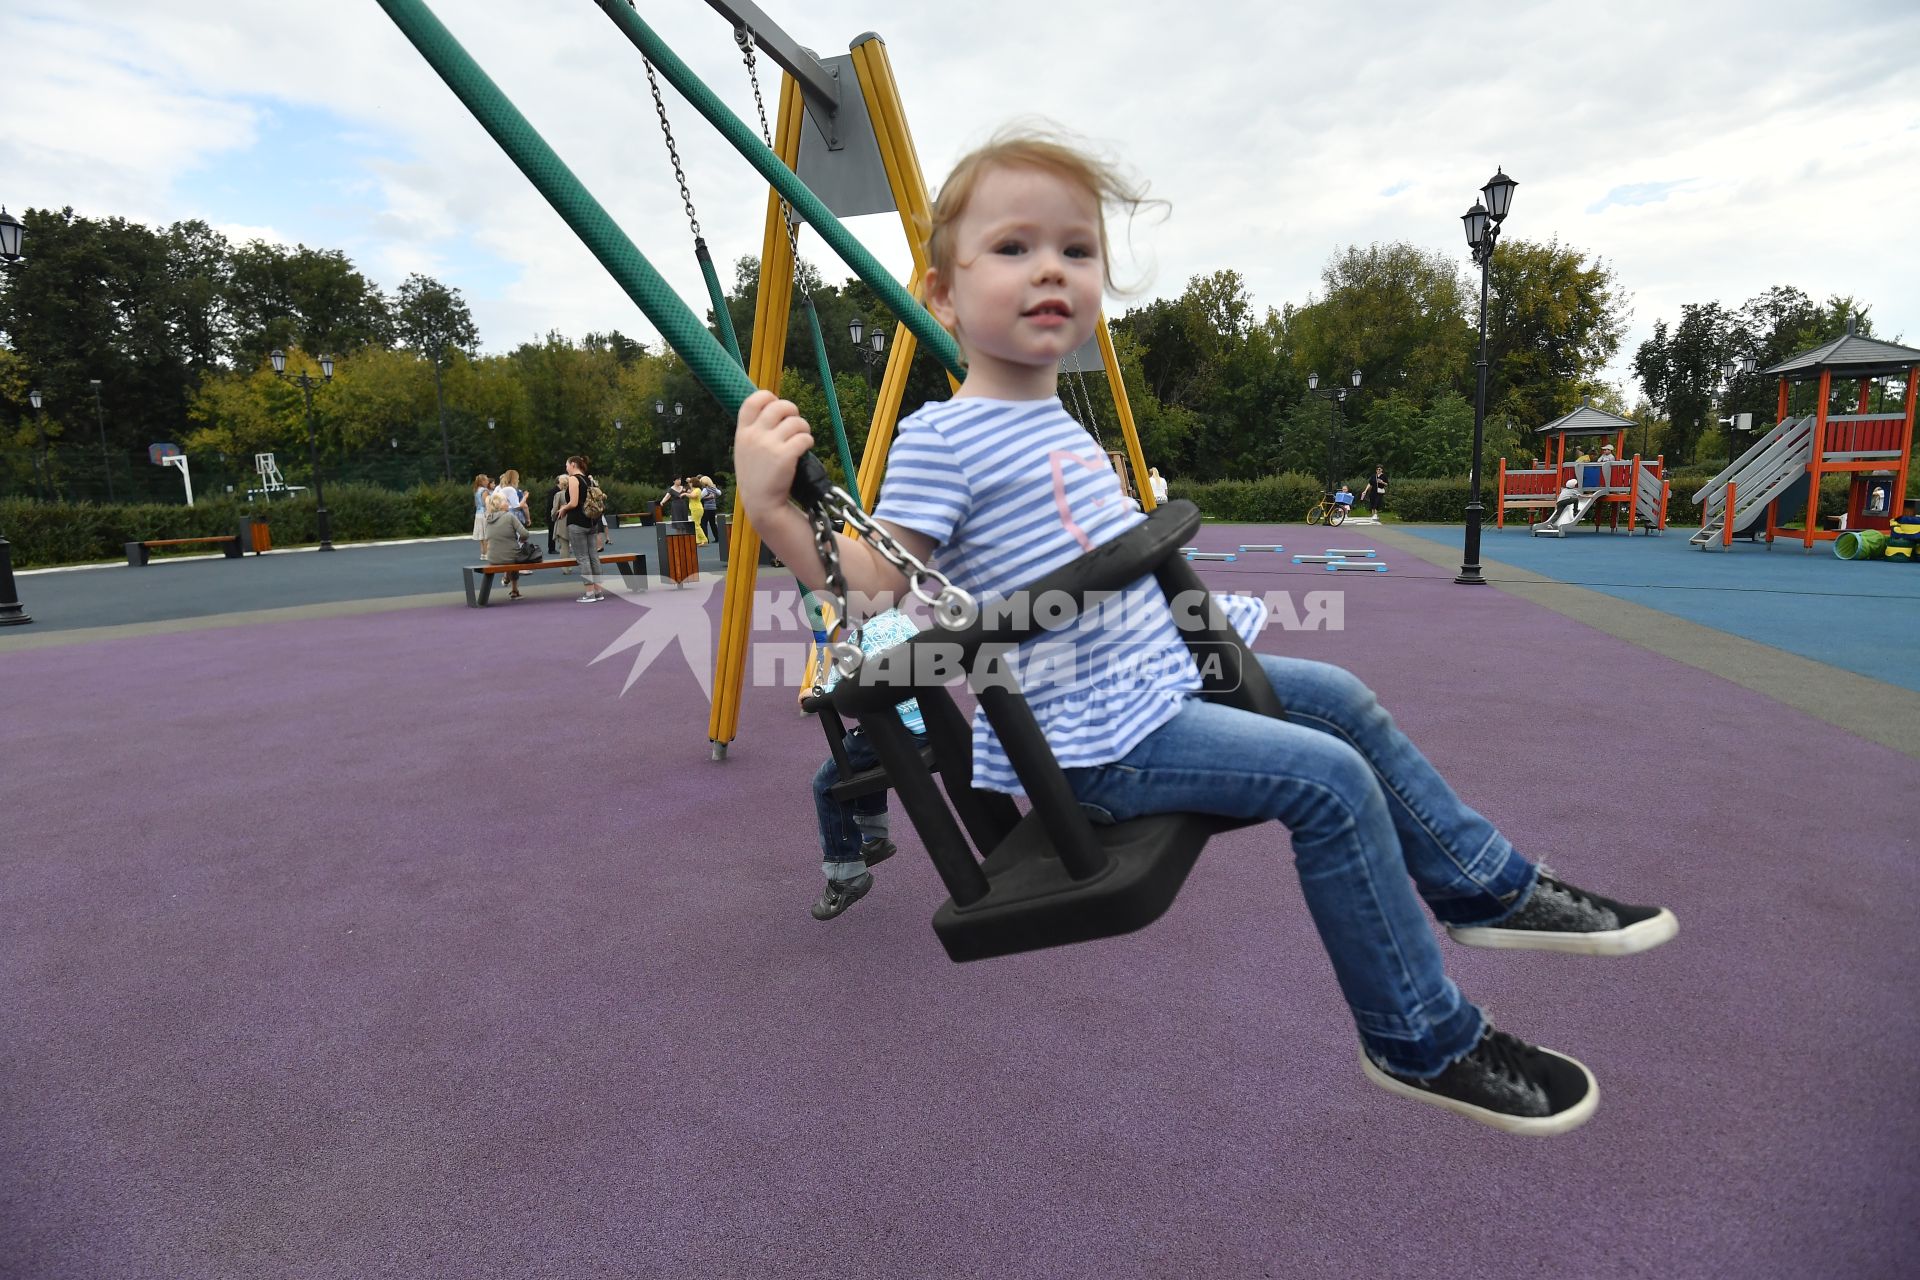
(137,551)
(479,577)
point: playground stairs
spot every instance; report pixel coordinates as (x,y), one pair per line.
(1774,467)
(1648,500)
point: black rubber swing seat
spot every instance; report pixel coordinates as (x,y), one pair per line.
(1052,876)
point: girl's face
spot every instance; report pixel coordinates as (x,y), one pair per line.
(1026,283)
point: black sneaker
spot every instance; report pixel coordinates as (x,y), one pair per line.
(877,851)
(841,894)
(1507,1083)
(1558,917)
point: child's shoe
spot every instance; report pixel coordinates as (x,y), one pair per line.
(1558,917)
(876,850)
(841,894)
(1507,1083)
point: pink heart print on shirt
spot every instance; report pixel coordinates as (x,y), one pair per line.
(1055,458)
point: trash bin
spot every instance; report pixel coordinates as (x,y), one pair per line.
(254,535)
(679,555)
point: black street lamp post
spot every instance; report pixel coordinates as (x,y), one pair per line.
(321,520)
(1734,367)
(1483,231)
(668,447)
(11,614)
(1335,397)
(40,463)
(870,345)
(100,415)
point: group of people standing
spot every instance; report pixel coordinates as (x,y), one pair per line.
(502,517)
(694,500)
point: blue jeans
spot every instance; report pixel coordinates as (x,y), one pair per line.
(844,824)
(1375,830)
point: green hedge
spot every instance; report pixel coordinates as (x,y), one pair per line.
(1286,499)
(54,533)
(50,533)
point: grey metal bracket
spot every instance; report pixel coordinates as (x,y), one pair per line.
(819,83)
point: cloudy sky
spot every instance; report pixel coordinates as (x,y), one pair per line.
(1706,149)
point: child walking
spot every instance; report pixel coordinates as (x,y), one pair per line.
(1000,485)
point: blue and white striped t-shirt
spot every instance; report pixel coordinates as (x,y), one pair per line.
(1011,490)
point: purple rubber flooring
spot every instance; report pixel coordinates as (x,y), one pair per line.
(402,945)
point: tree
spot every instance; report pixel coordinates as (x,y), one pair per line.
(1554,320)
(313,299)
(434,321)
(1445,446)
(1395,312)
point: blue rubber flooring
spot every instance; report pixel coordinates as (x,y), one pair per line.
(1858,616)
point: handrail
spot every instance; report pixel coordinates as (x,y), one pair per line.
(1733,467)
(1784,440)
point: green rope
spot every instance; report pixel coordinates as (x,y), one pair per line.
(718,372)
(721,315)
(938,342)
(833,398)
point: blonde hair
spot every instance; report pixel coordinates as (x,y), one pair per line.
(1028,147)
(510,478)
(482,481)
(496,501)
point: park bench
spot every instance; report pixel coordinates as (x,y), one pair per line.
(479,577)
(137,551)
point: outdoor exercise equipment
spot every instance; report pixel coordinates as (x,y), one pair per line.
(1363,553)
(1046,878)
(1356,566)
(1261,546)
(1777,480)
(1211,555)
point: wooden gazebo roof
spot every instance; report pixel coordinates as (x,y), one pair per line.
(1586,421)
(1851,355)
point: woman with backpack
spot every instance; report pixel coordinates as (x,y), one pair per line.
(582,509)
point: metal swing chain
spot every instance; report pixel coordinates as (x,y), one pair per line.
(743,36)
(1079,377)
(673,152)
(952,607)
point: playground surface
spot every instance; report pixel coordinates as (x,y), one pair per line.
(1846,614)
(345,965)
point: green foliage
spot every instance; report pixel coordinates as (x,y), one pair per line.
(1554,320)
(1679,366)
(1400,314)
(1268,500)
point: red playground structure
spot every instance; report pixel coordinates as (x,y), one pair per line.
(1777,481)
(1566,493)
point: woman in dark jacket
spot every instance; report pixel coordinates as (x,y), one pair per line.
(1376,494)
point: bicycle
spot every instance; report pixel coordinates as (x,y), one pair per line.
(1328,512)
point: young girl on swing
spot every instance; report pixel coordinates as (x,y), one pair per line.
(999,485)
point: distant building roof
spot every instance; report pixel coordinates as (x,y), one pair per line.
(1585,421)
(1861,357)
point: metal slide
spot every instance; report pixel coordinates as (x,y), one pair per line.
(1565,518)
(1775,465)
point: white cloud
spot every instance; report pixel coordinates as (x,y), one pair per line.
(1279,133)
